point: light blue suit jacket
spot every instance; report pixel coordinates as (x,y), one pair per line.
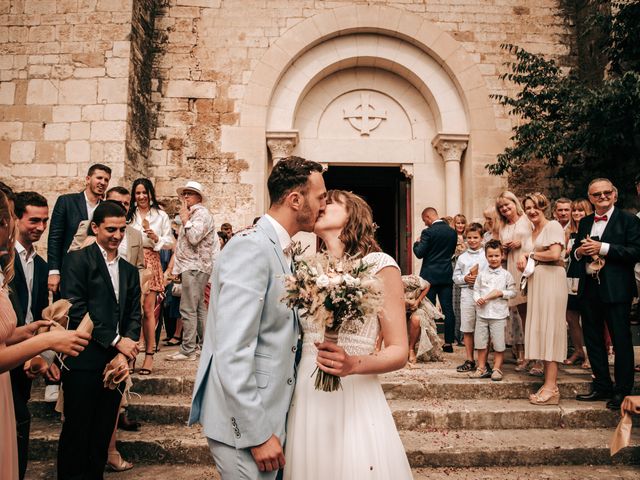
(246,375)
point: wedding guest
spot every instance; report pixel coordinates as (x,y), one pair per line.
(68,212)
(130,248)
(436,246)
(492,289)
(193,262)
(108,289)
(468,265)
(459,225)
(562,211)
(514,233)
(227,229)
(421,317)
(70,209)
(605,293)
(545,335)
(29,296)
(580,208)
(18,344)
(146,216)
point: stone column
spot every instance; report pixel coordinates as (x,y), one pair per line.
(451,147)
(281,144)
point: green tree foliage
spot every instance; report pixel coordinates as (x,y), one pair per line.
(581,130)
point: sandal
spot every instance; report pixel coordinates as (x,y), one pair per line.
(574,359)
(521,366)
(552,397)
(116,463)
(467,366)
(536,372)
(146,371)
(173,341)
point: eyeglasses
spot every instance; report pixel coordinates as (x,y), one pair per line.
(605,193)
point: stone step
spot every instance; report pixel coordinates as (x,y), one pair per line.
(172,444)
(417,383)
(46,471)
(409,414)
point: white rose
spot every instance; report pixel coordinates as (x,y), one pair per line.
(351,281)
(322,281)
(313,271)
(337,280)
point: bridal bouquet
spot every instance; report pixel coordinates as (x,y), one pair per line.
(335,294)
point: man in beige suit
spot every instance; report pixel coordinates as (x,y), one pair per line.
(131,247)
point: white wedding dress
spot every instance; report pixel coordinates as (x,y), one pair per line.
(348,434)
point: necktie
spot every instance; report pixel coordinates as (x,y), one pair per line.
(603,218)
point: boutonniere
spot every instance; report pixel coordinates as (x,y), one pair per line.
(295,251)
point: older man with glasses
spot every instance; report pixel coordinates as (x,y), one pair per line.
(606,290)
(193,263)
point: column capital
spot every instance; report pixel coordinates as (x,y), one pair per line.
(451,145)
(407,170)
(281,143)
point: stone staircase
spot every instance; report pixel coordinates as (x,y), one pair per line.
(445,420)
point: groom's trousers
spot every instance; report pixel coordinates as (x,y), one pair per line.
(236,464)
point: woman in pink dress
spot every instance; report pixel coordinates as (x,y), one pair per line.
(18,345)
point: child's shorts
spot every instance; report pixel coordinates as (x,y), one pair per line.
(467,311)
(490,326)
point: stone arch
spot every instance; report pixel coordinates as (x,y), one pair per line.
(481,140)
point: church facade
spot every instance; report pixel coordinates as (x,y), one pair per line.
(394,98)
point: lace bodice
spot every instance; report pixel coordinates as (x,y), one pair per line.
(361,342)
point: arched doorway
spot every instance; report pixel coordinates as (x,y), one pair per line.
(388,192)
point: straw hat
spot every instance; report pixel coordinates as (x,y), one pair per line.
(192,186)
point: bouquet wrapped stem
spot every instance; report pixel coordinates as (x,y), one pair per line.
(326,381)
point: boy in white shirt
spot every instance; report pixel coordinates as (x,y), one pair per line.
(468,265)
(491,291)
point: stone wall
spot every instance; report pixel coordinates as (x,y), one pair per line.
(78,86)
(65,67)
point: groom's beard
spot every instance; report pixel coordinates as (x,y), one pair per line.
(306,219)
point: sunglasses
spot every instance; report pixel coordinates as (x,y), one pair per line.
(605,193)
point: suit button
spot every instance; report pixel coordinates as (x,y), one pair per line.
(289,381)
(294,349)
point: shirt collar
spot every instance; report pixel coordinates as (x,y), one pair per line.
(20,249)
(474,252)
(283,236)
(105,256)
(608,213)
(494,270)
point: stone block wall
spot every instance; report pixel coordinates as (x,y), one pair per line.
(67,72)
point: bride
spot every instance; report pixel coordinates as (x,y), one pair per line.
(350,433)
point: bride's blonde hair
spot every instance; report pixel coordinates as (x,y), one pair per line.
(358,235)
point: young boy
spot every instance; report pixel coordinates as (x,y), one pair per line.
(491,291)
(467,267)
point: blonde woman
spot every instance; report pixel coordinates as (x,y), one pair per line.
(545,335)
(514,232)
(580,208)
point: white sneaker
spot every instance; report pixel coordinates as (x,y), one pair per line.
(51,393)
(178,357)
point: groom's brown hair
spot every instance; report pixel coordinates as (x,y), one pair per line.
(290,174)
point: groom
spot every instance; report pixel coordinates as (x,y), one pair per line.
(246,375)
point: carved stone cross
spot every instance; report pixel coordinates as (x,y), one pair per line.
(370,118)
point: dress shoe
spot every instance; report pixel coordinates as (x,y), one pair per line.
(594,396)
(447,348)
(615,402)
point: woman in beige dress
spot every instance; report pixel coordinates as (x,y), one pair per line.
(18,345)
(514,232)
(545,335)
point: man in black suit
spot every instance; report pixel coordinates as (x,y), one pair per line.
(30,296)
(97,281)
(613,234)
(68,212)
(436,247)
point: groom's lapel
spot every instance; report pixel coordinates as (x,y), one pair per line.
(271,234)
